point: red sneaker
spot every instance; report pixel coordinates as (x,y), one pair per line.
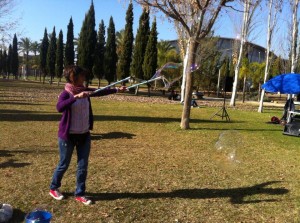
(56,194)
(83,200)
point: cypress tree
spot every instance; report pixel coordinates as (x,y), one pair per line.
(4,60)
(69,51)
(87,41)
(43,55)
(9,59)
(126,56)
(1,61)
(98,68)
(59,57)
(110,56)
(140,45)
(15,57)
(51,55)
(150,59)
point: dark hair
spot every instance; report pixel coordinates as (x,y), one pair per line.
(72,72)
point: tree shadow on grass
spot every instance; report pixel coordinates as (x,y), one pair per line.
(236,195)
(5,153)
(152,119)
(12,163)
(23,115)
(241,129)
(18,103)
(112,135)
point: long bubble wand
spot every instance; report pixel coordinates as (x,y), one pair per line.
(108,86)
(144,82)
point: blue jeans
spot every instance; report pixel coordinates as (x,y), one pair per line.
(82,142)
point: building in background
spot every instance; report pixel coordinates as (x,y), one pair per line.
(228,47)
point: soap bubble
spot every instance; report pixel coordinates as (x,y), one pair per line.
(228,145)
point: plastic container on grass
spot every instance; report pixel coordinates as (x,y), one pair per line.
(38,216)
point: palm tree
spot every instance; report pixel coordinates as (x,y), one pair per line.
(35,47)
(120,36)
(163,48)
(25,47)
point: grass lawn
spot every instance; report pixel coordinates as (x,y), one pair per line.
(143,167)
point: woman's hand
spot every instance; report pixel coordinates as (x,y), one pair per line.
(83,94)
(122,89)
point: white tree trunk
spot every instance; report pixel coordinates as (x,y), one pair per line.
(186,57)
(243,40)
(294,55)
(294,37)
(269,39)
(188,85)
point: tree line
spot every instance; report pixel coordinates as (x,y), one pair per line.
(105,53)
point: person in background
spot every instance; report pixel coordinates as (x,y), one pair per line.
(74,130)
(194,104)
(173,95)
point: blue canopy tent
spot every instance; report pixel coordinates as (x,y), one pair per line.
(283,83)
(286,84)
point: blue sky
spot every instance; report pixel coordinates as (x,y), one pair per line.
(36,15)
(40,14)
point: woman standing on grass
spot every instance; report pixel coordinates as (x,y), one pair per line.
(73,131)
